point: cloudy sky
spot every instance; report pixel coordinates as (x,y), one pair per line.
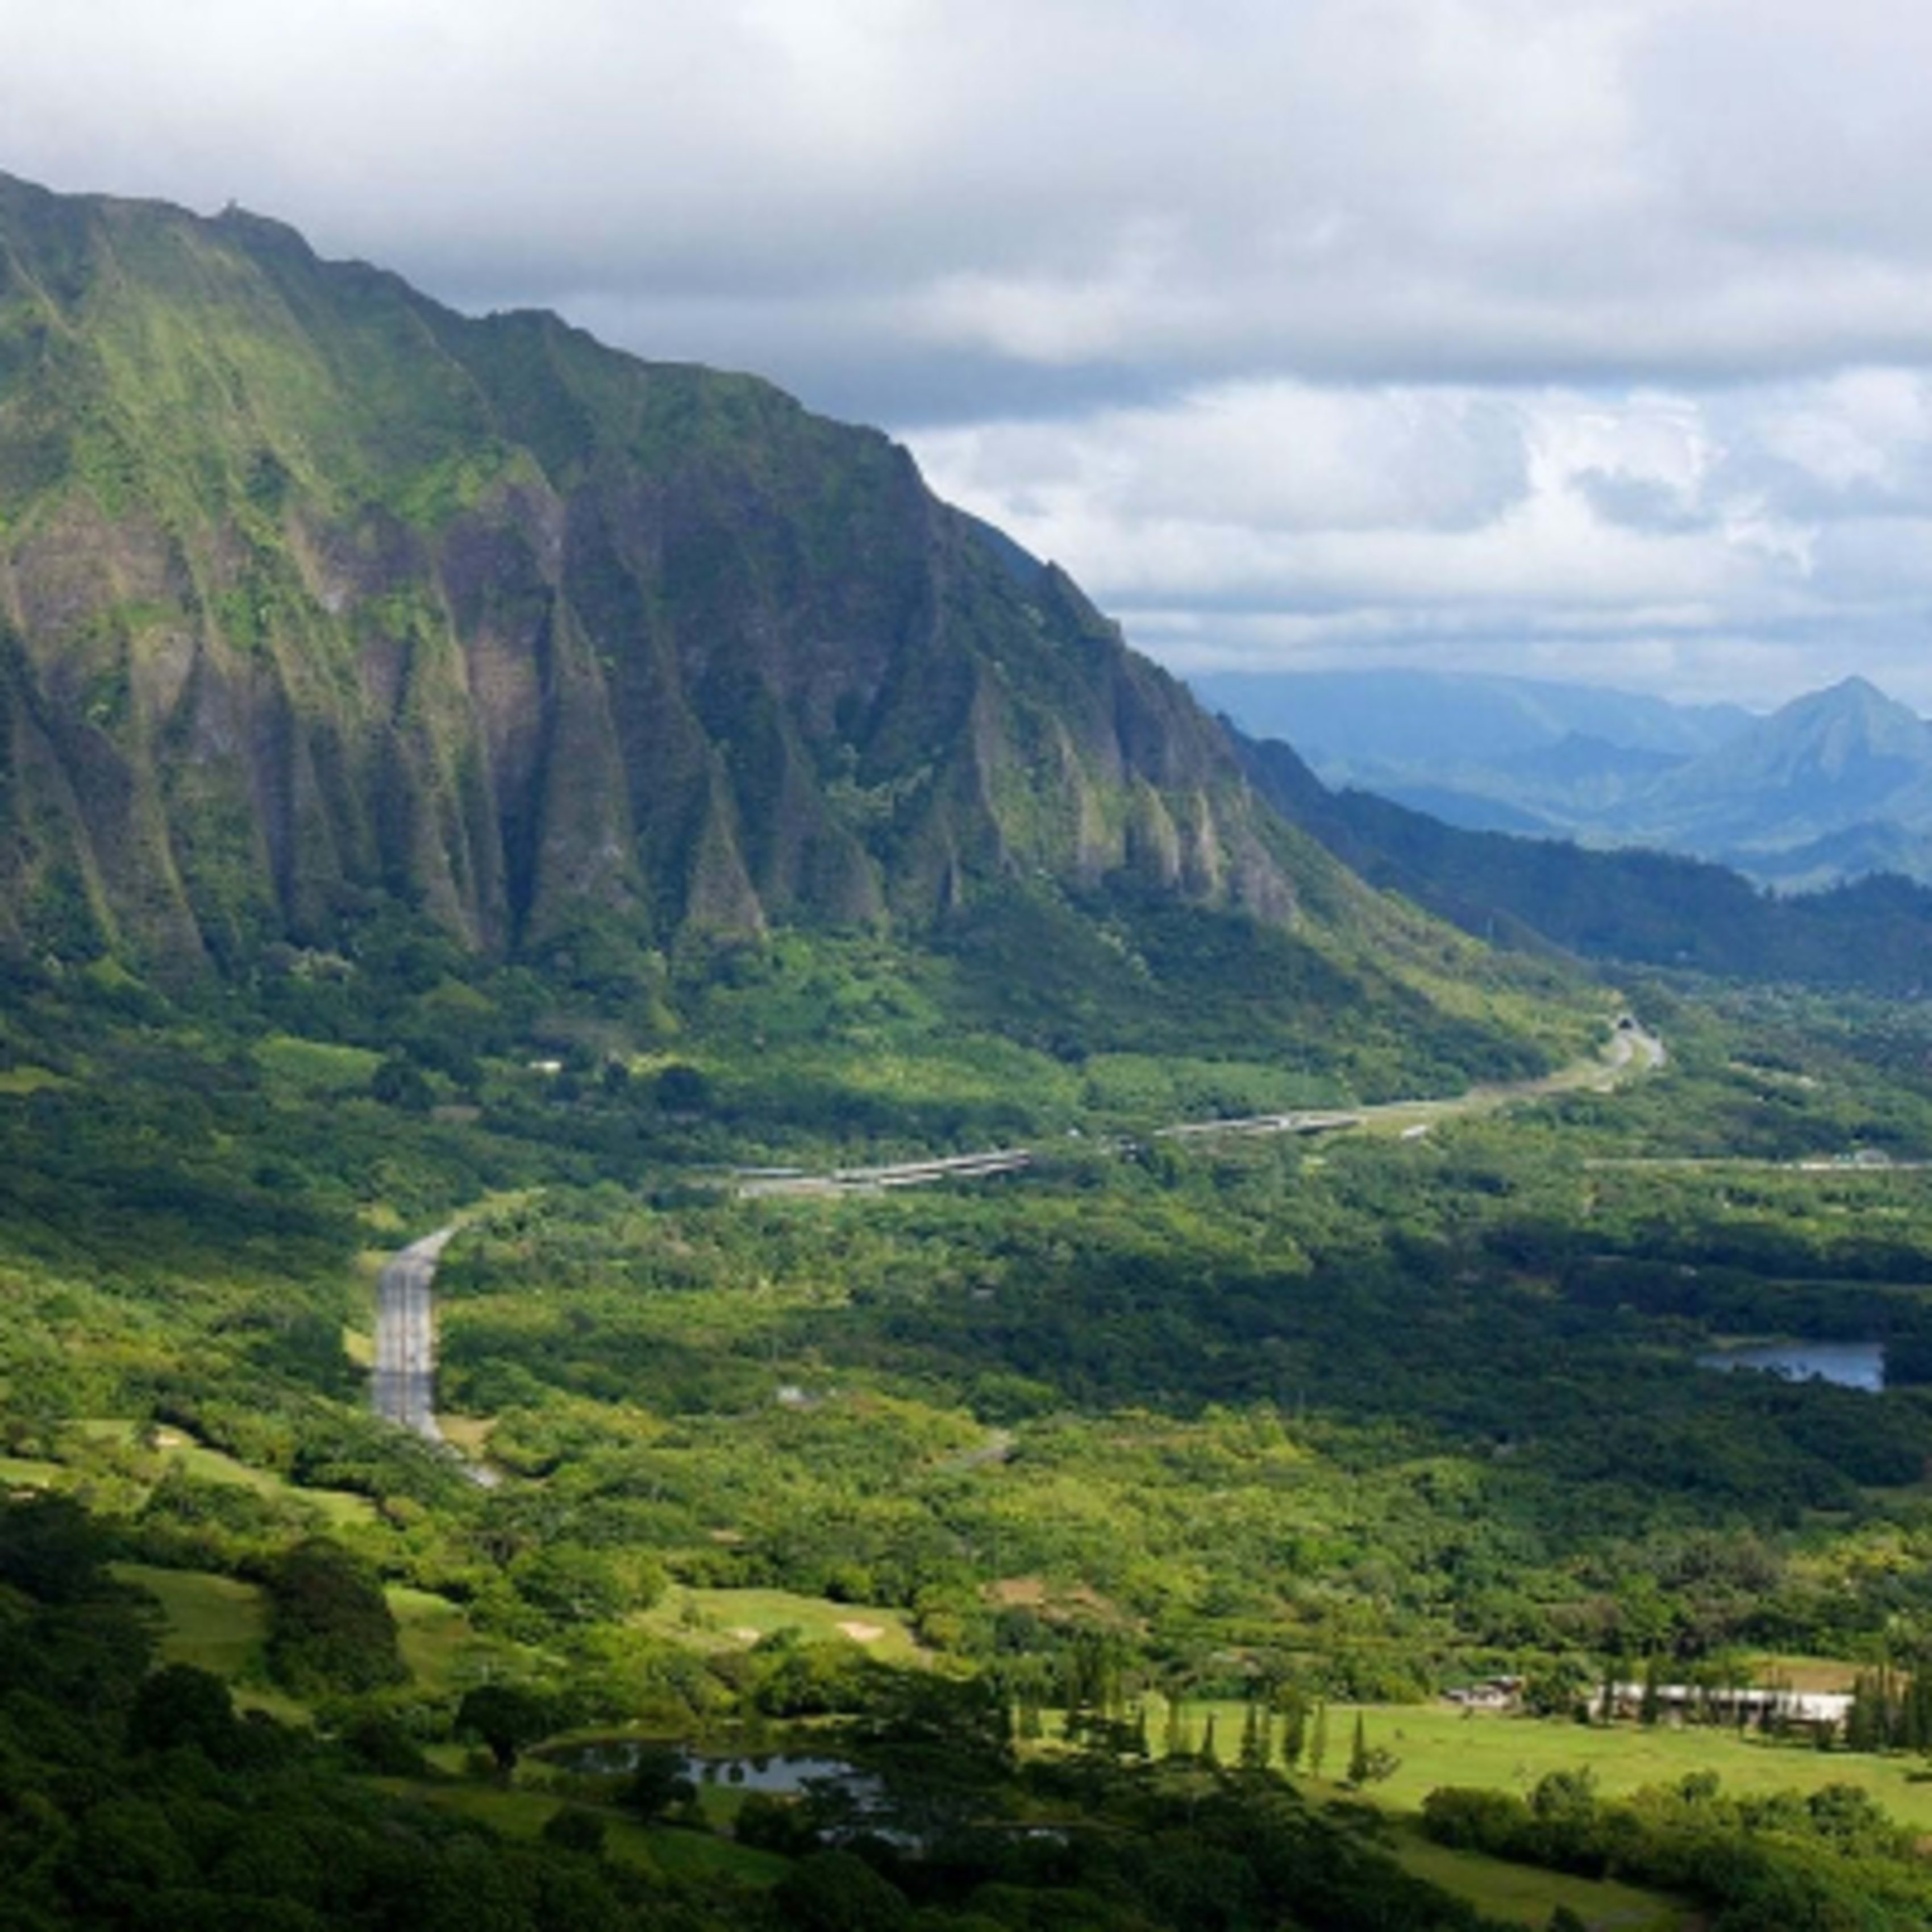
(1575,338)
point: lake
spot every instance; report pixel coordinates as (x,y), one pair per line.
(782,1774)
(1858,1365)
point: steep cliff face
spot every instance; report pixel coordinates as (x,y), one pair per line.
(312,592)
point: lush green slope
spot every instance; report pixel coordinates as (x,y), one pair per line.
(320,603)
(1204,1419)
(1650,908)
(592,776)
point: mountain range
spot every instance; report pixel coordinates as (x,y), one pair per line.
(1835,785)
(1634,906)
(311,587)
(320,603)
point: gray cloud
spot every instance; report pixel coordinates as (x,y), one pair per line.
(1639,503)
(1594,331)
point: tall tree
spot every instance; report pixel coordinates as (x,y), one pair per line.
(1318,1738)
(1175,1742)
(506,1717)
(1293,1706)
(1358,1754)
(1257,1732)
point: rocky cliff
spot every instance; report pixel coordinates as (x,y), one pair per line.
(313,591)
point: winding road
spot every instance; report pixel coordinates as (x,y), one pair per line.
(403,1388)
(1630,1050)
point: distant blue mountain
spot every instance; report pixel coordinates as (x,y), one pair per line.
(1358,720)
(1630,906)
(1846,757)
(1835,785)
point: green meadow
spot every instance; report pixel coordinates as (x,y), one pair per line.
(1526,1895)
(1435,1746)
(741,1617)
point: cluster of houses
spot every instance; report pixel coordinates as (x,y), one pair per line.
(1770,1707)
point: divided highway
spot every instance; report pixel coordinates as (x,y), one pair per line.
(403,1389)
(403,1386)
(1631,1050)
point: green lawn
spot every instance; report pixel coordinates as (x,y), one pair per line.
(20,1472)
(221,1625)
(723,1617)
(436,1636)
(661,1848)
(314,1069)
(216,1624)
(213,1622)
(697,1854)
(29,1080)
(340,1508)
(1528,1896)
(1436,1745)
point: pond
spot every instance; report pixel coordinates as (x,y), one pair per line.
(1858,1365)
(786,1777)
(783,1775)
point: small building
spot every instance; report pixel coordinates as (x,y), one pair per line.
(1493,1693)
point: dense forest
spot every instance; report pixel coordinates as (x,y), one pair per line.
(1147,1466)
(458,781)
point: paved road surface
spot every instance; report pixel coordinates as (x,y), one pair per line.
(900,1174)
(403,1389)
(403,1386)
(1631,1051)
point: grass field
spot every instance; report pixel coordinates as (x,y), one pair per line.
(663,1849)
(211,1621)
(695,1855)
(341,1509)
(312,1069)
(20,1472)
(29,1080)
(1801,1673)
(436,1637)
(470,1433)
(739,1617)
(217,1624)
(220,1625)
(1437,1746)
(1528,1896)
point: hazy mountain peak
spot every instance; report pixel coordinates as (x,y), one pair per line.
(1827,730)
(1853,685)
(1359,723)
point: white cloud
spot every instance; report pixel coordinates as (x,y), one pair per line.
(1275,454)
(1760,534)
(1391,325)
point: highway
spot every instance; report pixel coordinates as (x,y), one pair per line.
(1631,1050)
(901,1174)
(1304,1122)
(403,1387)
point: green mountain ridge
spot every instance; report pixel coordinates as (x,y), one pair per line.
(1634,906)
(310,586)
(317,597)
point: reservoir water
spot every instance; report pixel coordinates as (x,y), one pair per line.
(785,1775)
(1858,1365)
